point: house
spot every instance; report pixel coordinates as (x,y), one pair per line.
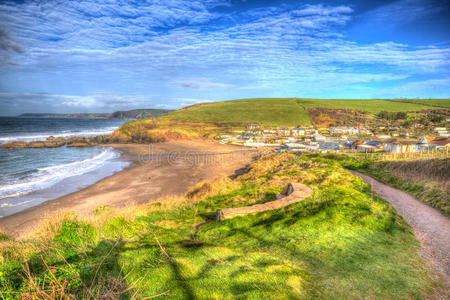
(376,143)
(399,146)
(426,139)
(356,143)
(319,138)
(441,131)
(440,143)
(283,131)
(424,143)
(365,131)
(366,148)
(298,131)
(269,132)
(343,130)
(252,132)
(253,125)
(311,132)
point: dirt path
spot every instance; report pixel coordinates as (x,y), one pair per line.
(431,228)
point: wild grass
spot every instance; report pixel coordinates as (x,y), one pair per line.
(162,129)
(341,243)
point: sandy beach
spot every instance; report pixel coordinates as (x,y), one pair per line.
(156,170)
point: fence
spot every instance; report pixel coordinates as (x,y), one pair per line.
(385,156)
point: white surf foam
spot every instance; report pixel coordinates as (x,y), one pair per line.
(46,177)
(64,134)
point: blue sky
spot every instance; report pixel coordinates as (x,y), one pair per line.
(105,55)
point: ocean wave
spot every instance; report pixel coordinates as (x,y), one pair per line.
(64,134)
(46,177)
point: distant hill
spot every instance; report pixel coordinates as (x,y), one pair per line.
(139,113)
(118,115)
(293,111)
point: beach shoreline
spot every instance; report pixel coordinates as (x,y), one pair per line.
(155,171)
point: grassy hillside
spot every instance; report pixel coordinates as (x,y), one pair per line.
(369,105)
(211,119)
(341,243)
(288,111)
(268,112)
(438,103)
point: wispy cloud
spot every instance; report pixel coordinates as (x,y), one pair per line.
(198,50)
(405,11)
(199,83)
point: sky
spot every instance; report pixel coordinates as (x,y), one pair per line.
(63,56)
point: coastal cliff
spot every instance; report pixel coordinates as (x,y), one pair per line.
(118,115)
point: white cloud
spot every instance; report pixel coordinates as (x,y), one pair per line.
(179,49)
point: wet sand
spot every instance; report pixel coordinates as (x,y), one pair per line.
(175,167)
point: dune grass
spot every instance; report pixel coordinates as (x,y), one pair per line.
(341,243)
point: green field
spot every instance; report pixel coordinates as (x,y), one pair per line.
(437,103)
(274,112)
(341,243)
(373,106)
(268,112)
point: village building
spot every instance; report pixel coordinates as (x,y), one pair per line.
(343,130)
(319,138)
(383,136)
(253,125)
(298,131)
(283,131)
(441,131)
(440,143)
(366,148)
(399,146)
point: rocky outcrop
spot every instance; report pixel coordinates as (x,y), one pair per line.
(52,142)
(80,142)
(292,193)
(45,144)
(77,141)
(14,145)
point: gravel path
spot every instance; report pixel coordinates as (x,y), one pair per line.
(431,228)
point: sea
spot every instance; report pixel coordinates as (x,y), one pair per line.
(29,177)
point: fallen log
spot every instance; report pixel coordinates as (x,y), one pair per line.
(292,193)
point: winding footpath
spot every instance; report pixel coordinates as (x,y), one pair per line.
(430,227)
